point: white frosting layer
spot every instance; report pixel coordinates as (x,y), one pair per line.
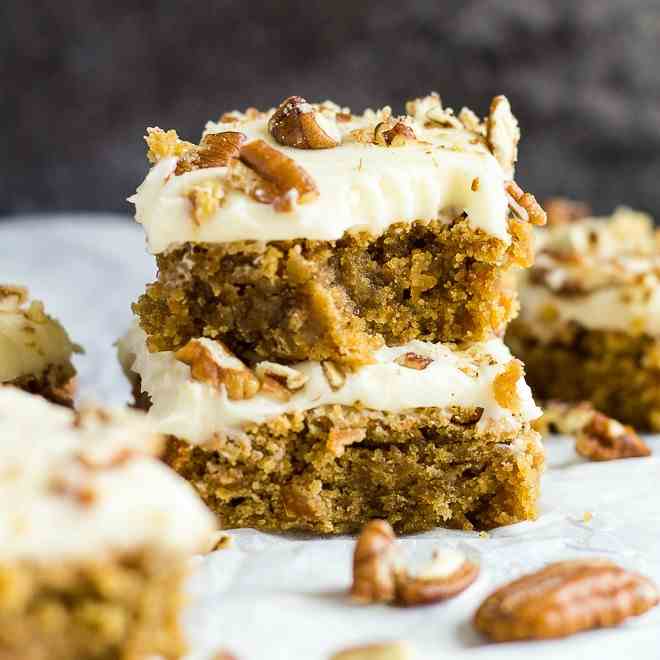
(623,309)
(196,411)
(601,273)
(361,186)
(86,490)
(30,341)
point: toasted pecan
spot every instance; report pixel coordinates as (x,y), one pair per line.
(605,439)
(295,123)
(279,170)
(565,598)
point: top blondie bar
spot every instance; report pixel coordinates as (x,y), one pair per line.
(309,233)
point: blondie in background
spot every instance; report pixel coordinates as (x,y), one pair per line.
(82,79)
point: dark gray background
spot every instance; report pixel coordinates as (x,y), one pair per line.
(81,81)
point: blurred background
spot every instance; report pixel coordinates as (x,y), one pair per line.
(82,79)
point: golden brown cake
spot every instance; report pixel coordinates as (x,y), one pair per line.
(95,533)
(288,245)
(589,328)
(35,350)
(427,435)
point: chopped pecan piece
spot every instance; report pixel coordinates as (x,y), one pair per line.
(241,177)
(561,211)
(565,598)
(389,134)
(375,564)
(448,574)
(471,122)
(382,651)
(215,150)
(505,386)
(288,377)
(412,360)
(339,439)
(295,123)
(605,439)
(274,389)
(206,199)
(333,374)
(443,117)
(503,134)
(12,297)
(524,205)
(279,170)
(212,363)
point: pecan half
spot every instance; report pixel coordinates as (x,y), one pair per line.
(295,123)
(382,651)
(564,598)
(279,170)
(605,439)
(412,360)
(375,562)
(448,574)
(524,204)
(503,134)
(211,362)
(389,134)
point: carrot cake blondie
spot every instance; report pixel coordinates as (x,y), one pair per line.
(425,435)
(35,350)
(310,233)
(94,535)
(590,321)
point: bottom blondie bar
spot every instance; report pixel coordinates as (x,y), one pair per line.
(427,435)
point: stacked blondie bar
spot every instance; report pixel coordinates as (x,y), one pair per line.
(323,342)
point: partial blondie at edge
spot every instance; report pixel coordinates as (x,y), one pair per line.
(35,350)
(95,537)
(589,324)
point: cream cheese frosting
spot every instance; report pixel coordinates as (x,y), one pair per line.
(30,340)
(448,169)
(600,273)
(86,485)
(195,411)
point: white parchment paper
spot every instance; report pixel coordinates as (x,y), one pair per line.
(284,597)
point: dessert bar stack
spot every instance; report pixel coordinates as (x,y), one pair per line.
(322,345)
(589,327)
